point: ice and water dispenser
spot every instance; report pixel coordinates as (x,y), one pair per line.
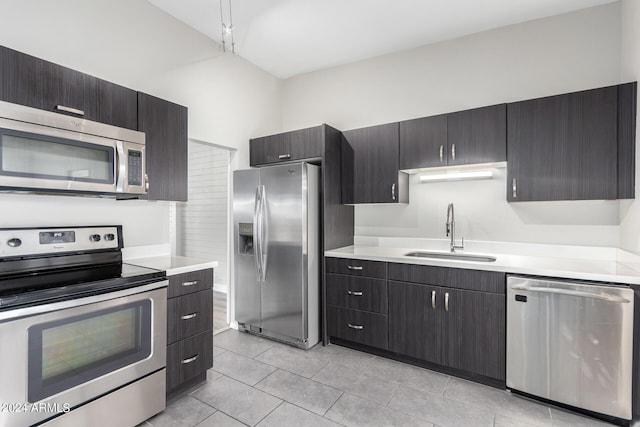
(245,238)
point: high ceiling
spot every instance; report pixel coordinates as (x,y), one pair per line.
(289,37)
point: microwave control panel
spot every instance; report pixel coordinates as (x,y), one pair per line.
(135,167)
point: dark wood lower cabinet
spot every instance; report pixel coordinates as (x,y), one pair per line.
(188,359)
(460,329)
(189,315)
(473,331)
(358,326)
(414,325)
(360,293)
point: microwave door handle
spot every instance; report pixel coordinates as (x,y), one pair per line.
(121,167)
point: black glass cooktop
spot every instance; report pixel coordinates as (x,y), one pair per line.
(28,287)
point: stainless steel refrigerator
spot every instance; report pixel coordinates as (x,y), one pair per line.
(276,253)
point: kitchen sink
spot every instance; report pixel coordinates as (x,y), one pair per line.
(454,256)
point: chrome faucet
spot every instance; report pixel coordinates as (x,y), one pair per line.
(451,229)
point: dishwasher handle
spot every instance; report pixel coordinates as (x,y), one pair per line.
(561,291)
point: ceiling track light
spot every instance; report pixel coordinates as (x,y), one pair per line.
(227,30)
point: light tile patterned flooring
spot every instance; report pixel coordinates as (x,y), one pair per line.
(255,381)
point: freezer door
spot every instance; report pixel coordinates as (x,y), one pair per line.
(247,286)
(284,247)
(571,343)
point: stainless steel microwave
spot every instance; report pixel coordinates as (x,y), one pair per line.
(42,151)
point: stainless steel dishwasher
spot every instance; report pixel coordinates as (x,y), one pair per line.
(571,342)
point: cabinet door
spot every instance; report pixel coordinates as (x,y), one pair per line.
(563,147)
(373,171)
(20,77)
(165,126)
(478,135)
(473,332)
(306,143)
(270,149)
(415,320)
(423,142)
(117,105)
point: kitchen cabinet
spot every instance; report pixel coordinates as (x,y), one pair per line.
(448,325)
(189,329)
(575,146)
(165,126)
(464,137)
(371,169)
(40,84)
(288,146)
(357,301)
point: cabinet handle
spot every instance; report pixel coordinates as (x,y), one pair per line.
(514,188)
(355,293)
(284,156)
(146,182)
(189,316)
(190,359)
(191,283)
(433,299)
(441,153)
(353,267)
(393,191)
(358,327)
(453,151)
(69,110)
(446,301)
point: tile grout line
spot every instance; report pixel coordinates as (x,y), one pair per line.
(271,412)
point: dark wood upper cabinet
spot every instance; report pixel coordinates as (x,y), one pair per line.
(423,142)
(371,170)
(117,105)
(461,138)
(165,126)
(564,147)
(627,106)
(300,144)
(478,135)
(40,84)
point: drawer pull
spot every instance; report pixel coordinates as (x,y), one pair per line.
(191,359)
(355,293)
(352,267)
(189,316)
(358,327)
(190,283)
(69,110)
(284,156)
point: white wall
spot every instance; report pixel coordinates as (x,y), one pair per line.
(630,210)
(568,52)
(132,43)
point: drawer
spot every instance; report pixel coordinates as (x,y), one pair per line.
(188,283)
(189,315)
(189,358)
(357,267)
(360,293)
(358,326)
(459,278)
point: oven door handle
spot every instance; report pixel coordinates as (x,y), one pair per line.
(55,306)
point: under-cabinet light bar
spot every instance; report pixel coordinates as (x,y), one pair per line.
(450,176)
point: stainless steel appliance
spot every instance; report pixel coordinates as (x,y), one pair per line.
(571,342)
(45,151)
(80,331)
(276,252)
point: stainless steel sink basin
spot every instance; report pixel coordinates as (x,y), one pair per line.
(454,256)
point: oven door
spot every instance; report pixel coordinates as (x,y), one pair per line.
(67,353)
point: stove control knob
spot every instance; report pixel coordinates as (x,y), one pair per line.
(94,237)
(14,243)
(109,237)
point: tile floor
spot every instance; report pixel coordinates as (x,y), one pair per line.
(255,381)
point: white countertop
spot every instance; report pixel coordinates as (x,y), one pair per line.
(173,264)
(586,265)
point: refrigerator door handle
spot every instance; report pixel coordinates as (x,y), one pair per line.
(264,234)
(256,234)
